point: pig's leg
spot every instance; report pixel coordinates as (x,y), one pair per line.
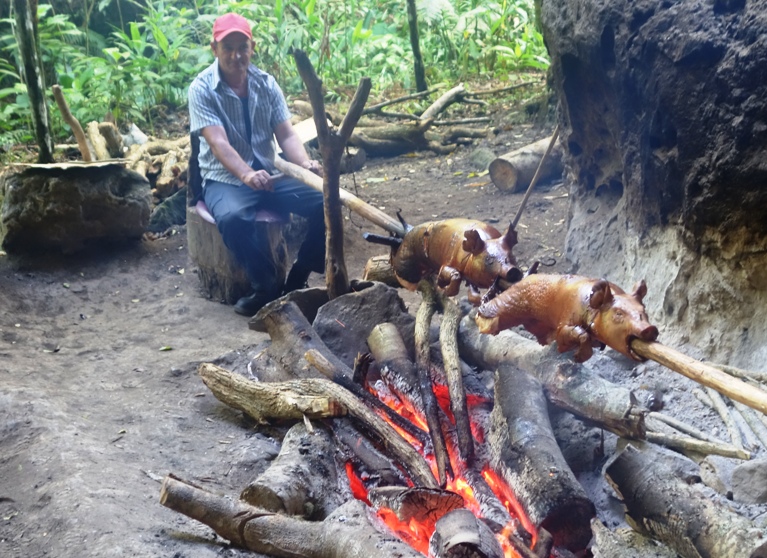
(449,280)
(570,337)
(474,297)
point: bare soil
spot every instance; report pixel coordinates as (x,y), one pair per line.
(99,396)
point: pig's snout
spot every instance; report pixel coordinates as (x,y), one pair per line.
(650,333)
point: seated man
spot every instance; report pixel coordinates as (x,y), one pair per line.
(238,110)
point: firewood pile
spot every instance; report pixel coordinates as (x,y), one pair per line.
(362,460)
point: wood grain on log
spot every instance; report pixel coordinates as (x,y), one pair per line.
(113,138)
(679,515)
(459,534)
(378,268)
(97,141)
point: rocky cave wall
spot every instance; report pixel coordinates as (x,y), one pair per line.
(663,116)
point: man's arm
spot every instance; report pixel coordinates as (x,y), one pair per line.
(226,154)
(293,147)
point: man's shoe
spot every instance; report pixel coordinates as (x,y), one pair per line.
(249,305)
(297,279)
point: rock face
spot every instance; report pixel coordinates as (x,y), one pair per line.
(63,208)
(664,124)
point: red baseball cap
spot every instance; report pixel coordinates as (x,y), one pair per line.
(230,23)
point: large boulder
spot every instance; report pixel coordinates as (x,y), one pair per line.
(664,125)
(65,207)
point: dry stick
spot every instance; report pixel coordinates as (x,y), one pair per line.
(755,375)
(457,93)
(756,426)
(372,214)
(379,106)
(422,359)
(702,373)
(448,341)
(502,89)
(684,427)
(534,181)
(721,407)
(698,446)
(69,118)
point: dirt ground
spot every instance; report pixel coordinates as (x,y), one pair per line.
(99,396)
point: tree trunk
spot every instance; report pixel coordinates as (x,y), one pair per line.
(26,36)
(415,44)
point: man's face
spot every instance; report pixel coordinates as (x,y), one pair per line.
(233,53)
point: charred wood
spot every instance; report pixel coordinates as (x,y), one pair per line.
(425,505)
(347,533)
(688,521)
(302,480)
(394,364)
(623,542)
(525,453)
(461,534)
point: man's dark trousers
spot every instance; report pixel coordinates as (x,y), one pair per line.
(234,209)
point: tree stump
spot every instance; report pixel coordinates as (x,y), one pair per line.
(222,277)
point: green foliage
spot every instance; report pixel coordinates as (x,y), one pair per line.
(144,66)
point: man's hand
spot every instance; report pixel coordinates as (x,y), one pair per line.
(258,180)
(314,166)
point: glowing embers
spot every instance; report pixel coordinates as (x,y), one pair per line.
(427,518)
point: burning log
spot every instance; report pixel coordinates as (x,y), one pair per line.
(302,479)
(424,505)
(459,533)
(525,453)
(666,508)
(568,385)
(422,357)
(245,395)
(396,368)
(347,533)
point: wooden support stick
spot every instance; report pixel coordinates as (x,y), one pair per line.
(721,407)
(535,178)
(69,118)
(684,427)
(702,373)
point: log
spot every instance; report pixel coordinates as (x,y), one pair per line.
(625,542)
(302,480)
(74,124)
(396,369)
(460,533)
(347,533)
(525,453)
(378,467)
(221,276)
(266,402)
(702,373)
(568,385)
(170,170)
(98,143)
(378,268)
(424,505)
(113,139)
(513,171)
(687,520)
(422,359)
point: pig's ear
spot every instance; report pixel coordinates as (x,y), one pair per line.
(640,290)
(600,294)
(472,242)
(510,238)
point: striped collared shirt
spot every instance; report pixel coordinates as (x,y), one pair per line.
(213,103)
